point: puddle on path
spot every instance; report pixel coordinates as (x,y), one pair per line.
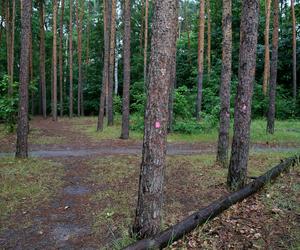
(76,190)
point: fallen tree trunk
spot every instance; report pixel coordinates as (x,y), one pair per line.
(198,218)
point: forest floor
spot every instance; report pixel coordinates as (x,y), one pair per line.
(79,189)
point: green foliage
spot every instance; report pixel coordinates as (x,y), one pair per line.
(117,104)
(183,107)
(138,97)
(8,103)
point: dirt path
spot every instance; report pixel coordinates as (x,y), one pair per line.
(64,223)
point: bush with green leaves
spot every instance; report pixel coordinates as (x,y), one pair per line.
(8,103)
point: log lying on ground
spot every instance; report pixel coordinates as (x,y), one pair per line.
(177,231)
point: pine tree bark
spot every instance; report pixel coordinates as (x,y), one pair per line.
(71,60)
(237,174)
(223,141)
(117,67)
(294,52)
(31,62)
(267,49)
(150,196)
(273,76)
(172,84)
(208,38)
(54,63)
(79,50)
(8,40)
(126,81)
(61,63)
(12,47)
(200,58)
(23,124)
(142,29)
(110,113)
(42,59)
(3,9)
(146,40)
(105,74)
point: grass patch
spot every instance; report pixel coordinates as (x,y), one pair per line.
(285,132)
(3,131)
(36,137)
(88,126)
(24,184)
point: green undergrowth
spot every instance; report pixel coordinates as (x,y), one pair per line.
(24,184)
(286,132)
(187,178)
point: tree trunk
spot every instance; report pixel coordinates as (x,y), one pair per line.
(31,62)
(208,38)
(54,57)
(8,42)
(23,124)
(150,196)
(110,113)
(42,58)
(79,49)
(294,52)
(173,233)
(242,111)
(12,47)
(267,49)
(273,76)
(223,141)
(3,9)
(146,40)
(116,67)
(172,85)
(105,76)
(126,82)
(200,58)
(71,59)
(61,63)
(142,29)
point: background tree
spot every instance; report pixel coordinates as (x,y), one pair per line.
(110,112)
(273,76)
(126,81)
(23,124)
(267,49)
(105,76)
(54,63)
(237,174)
(200,58)
(61,63)
(42,59)
(223,141)
(71,59)
(146,40)
(208,37)
(294,51)
(79,17)
(148,213)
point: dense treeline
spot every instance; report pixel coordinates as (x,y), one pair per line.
(88,47)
